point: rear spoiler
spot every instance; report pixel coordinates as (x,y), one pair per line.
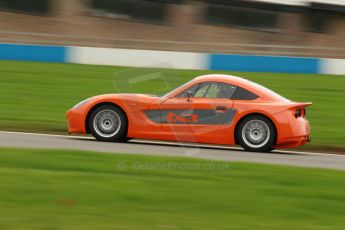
(299,105)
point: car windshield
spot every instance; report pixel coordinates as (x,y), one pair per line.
(176,89)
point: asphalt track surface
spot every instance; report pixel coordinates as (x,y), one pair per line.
(211,152)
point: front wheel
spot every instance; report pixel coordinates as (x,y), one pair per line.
(256,133)
(108,123)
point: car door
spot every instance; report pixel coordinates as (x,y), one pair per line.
(199,109)
(176,113)
(214,107)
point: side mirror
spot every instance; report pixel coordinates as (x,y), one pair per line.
(189,95)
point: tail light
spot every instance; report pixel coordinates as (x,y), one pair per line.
(298,108)
(304,112)
(300,113)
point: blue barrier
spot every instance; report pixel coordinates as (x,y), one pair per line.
(32,53)
(232,62)
(263,63)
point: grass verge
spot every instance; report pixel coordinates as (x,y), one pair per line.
(61,189)
(35,96)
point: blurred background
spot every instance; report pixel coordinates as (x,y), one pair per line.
(267,27)
(56,53)
(286,45)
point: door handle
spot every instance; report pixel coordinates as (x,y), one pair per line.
(221,108)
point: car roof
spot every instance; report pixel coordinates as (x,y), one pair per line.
(222,78)
(258,89)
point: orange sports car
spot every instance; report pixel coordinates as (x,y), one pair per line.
(214,109)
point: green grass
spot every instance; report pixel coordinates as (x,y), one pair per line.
(35,96)
(61,189)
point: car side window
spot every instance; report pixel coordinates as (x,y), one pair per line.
(202,90)
(209,90)
(215,90)
(243,94)
(226,91)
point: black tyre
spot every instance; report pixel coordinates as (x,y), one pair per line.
(256,133)
(108,123)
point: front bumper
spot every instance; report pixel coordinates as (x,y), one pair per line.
(76,121)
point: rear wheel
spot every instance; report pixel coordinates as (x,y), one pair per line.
(108,123)
(256,133)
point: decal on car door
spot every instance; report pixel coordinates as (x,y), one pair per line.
(182,118)
(197,116)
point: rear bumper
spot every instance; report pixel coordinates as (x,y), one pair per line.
(293,142)
(292,132)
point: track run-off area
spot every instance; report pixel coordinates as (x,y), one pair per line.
(160,148)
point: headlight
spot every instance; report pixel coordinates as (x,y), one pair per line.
(81,103)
